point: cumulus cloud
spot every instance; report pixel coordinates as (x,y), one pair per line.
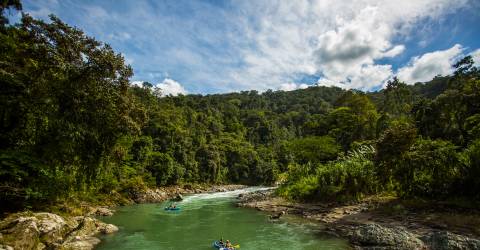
(171,87)
(476,57)
(339,40)
(424,68)
(347,54)
(292,86)
(137,83)
(166,87)
(255,44)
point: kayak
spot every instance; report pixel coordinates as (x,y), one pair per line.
(219,246)
(172,208)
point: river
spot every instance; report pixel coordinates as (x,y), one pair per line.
(204,218)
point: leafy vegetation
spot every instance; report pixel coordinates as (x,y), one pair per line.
(73,126)
(426,144)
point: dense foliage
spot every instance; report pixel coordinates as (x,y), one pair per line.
(426,144)
(71,125)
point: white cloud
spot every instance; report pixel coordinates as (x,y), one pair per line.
(370,76)
(171,87)
(292,86)
(136,83)
(329,83)
(395,51)
(424,68)
(340,40)
(476,57)
(346,55)
(255,44)
(120,36)
(303,86)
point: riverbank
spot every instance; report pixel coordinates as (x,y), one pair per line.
(77,225)
(383,222)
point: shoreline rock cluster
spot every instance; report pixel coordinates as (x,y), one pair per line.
(51,231)
(361,227)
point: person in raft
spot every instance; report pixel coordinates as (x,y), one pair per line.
(228,245)
(173,205)
(220,242)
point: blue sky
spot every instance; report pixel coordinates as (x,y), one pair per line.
(223,46)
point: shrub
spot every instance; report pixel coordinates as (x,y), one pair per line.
(471,172)
(428,169)
(347,178)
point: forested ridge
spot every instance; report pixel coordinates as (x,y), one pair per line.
(72,126)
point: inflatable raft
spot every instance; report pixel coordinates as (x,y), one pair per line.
(218,245)
(172,208)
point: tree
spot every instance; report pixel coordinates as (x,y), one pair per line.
(397,99)
(364,109)
(428,169)
(314,149)
(344,126)
(391,146)
(63,101)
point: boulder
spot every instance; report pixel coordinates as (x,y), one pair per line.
(444,240)
(150,195)
(20,233)
(87,226)
(103,211)
(53,227)
(107,228)
(36,231)
(375,236)
(5,247)
(80,243)
(255,196)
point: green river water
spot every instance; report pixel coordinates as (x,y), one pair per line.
(204,218)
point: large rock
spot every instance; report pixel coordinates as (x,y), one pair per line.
(5,247)
(150,196)
(103,211)
(107,228)
(374,236)
(20,232)
(255,196)
(80,243)
(448,241)
(87,226)
(53,227)
(83,236)
(35,231)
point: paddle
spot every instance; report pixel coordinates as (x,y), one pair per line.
(234,246)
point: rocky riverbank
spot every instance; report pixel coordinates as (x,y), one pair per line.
(35,231)
(50,231)
(381,223)
(164,193)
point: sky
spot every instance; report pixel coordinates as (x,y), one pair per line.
(213,46)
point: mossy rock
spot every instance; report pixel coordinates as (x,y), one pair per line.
(20,233)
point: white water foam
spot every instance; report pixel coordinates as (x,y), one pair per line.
(217,195)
